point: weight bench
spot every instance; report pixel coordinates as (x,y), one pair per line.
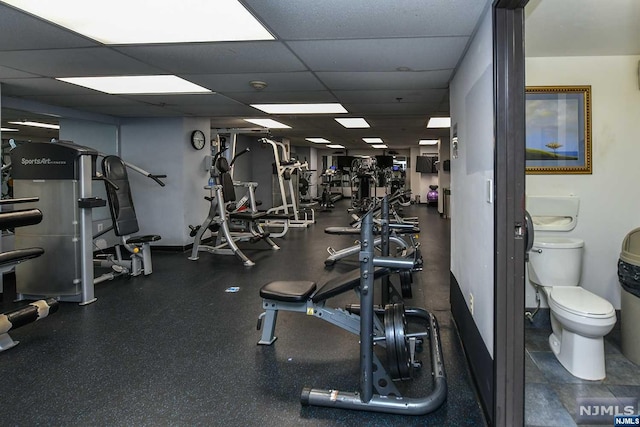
(306,297)
(377,391)
(125,221)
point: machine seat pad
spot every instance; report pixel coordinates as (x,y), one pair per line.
(137,240)
(246,215)
(288,291)
(342,230)
(282,216)
(19,255)
(344,283)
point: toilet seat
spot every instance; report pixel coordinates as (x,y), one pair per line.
(580,302)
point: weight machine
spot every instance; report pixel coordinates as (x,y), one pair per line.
(285,169)
(60,174)
(226,213)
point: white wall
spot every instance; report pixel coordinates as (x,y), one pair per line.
(161,146)
(472,240)
(609,201)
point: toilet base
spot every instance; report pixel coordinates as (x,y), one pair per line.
(583,357)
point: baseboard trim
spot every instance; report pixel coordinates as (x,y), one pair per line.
(478,357)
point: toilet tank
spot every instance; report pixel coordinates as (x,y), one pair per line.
(556,261)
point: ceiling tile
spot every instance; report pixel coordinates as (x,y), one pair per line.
(23,31)
(41,86)
(239,82)
(419,54)
(209,58)
(282,97)
(333,19)
(397,80)
(94,61)
(391,96)
(392,108)
(10,73)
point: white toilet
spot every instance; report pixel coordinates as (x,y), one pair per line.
(579,318)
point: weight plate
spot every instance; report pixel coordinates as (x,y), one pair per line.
(401,342)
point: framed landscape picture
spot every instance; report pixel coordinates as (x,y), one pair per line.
(558,130)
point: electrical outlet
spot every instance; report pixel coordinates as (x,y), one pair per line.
(100,227)
(471,303)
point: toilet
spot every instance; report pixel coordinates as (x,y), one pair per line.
(579,318)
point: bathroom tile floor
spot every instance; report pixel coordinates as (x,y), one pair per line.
(551,392)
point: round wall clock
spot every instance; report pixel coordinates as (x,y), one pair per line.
(198,139)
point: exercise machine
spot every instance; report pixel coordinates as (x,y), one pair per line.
(384,326)
(226,213)
(125,224)
(286,169)
(61,175)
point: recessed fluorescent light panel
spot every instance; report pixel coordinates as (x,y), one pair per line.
(379,146)
(318,140)
(37,125)
(327,108)
(335,146)
(439,122)
(428,141)
(136,21)
(140,85)
(268,123)
(353,123)
(373,140)
(8,130)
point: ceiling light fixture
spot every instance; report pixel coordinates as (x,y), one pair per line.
(439,122)
(373,140)
(327,108)
(108,23)
(318,140)
(428,141)
(379,146)
(335,146)
(36,124)
(353,123)
(140,85)
(8,130)
(268,123)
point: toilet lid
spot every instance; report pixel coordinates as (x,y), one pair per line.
(579,301)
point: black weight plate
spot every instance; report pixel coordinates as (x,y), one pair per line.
(405,284)
(401,342)
(389,333)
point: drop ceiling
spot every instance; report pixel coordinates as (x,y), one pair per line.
(390,62)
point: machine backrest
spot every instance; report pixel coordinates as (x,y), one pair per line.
(228,190)
(121,206)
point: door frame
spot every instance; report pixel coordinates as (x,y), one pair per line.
(509,238)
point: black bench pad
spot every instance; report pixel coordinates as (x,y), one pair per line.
(143,239)
(19,255)
(246,215)
(288,291)
(344,283)
(342,230)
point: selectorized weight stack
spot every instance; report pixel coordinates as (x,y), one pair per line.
(60,175)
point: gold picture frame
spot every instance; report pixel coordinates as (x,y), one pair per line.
(558,130)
